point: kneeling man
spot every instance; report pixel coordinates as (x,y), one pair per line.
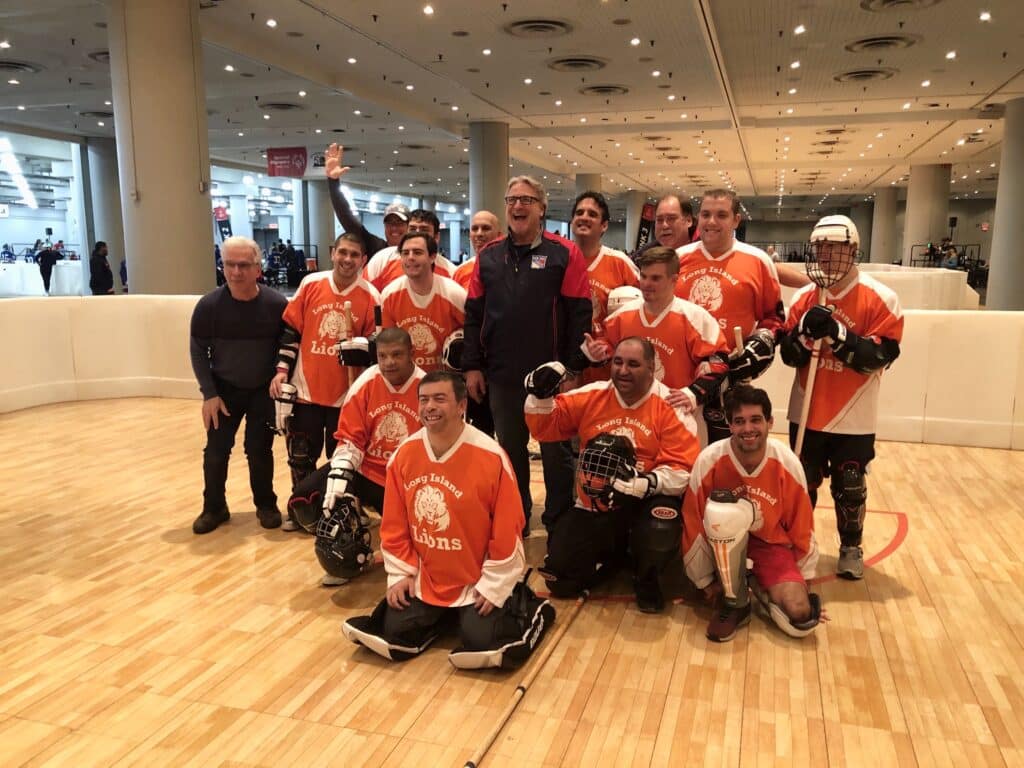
(451,537)
(748,499)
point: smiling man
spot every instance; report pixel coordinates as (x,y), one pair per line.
(637,451)
(450,539)
(748,499)
(529,302)
(483,228)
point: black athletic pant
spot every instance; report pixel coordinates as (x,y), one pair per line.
(314,425)
(313,488)
(414,624)
(258,409)
(559,471)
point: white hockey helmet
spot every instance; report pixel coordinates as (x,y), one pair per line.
(622,295)
(836,229)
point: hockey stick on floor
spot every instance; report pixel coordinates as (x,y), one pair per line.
(524,684)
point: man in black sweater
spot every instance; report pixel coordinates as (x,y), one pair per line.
(234,337)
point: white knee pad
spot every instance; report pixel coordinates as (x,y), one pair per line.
(727,524)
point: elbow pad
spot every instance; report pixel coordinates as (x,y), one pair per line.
(288,348)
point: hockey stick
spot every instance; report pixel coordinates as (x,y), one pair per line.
(737,334)
(520,691)
(812,373)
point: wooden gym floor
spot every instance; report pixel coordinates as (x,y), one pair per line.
(129,641)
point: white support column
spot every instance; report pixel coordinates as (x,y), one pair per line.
(1006,272)
(105,199)
(488,168)
(156,70)
(321,221)
(883,227)
(927,206)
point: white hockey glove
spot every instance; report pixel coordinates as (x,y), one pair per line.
(544,380)
(283,405)
(341,474)
(639,487)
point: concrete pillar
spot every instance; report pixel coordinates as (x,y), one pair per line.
(927,206)
(239,213)
(428,204)
(156,70)
(883,227)
(1006,264)
(588,182)
(104,196)
(321,221)
(454,239)
(635,200)
(860,215)
(488,168)
(299,213)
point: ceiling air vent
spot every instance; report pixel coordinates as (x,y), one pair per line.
(14,67)
(538,28)
(665,148)
(577,64)
(280,106)
(876,43)
(415,146)
(880,6)
(604,90)
(864,75)
(101,57)
(98,114)
(831,132)
(404,165)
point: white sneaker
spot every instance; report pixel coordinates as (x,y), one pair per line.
(289,525)
(333,581)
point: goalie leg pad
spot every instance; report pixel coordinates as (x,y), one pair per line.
(506,638)
(850,492)
(727,524)
(395,635)
(655,537)
(581,546)
(782,620)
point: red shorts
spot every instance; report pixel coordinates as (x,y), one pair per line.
(773,563)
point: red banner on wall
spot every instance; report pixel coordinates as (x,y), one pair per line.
(286,161)
(645,231)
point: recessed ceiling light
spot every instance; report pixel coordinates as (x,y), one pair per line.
(906,105)
(583,119)
(964,176)
(271,23)
(528,80)
(635,41)
(266,117)
(879,135)
(558,102)
(985,16)
(428,10)
(789,111)
(794,65)
(228,68)
(455,107)
(357,112)
(671,97)
(487,51)
(991,165)
(21,107)
(656,73)
(925,83)
(401,127)
(241,133)
(951,55)
(12,81)
(107,103)
(980,130)
(961,142)
(785,138)
(100,123)
(792,91)
(800,29)
(410,87)
(351,60)
(302,94)
(4,44)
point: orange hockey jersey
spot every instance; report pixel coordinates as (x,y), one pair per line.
(464,273)
(778,491)
(683,336)
(375,418)
(845,401)
(740,287)
(386,267)
(317,312)
(665,438)
(453,522)
(608,270)
(428,320)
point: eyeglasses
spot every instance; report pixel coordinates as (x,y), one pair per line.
(242,265)
(667,219)
(524,199)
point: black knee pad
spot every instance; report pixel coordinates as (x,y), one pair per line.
(656,535)
(368,631)
(299,456)
(579,552)
(507,640)
(850,492)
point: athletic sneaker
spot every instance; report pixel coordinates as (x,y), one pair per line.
(209,521)
(289,524)
(851,563)
(726,622)
(648,595)
(333,581)
(269,517)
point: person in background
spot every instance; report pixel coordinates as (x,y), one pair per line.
(101,278)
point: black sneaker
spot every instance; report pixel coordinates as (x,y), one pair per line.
(269,517)
(208,521)
(648,597)
(726,622)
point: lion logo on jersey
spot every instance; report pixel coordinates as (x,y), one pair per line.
(707,292)
(431,509)
(333,324)
(627,433)
(422,339)
(392,428)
